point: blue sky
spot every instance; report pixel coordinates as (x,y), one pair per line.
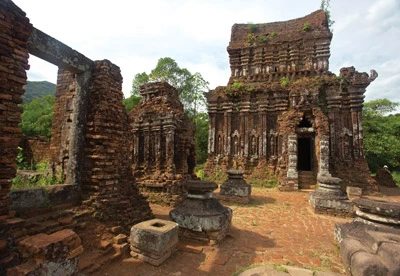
(135,34)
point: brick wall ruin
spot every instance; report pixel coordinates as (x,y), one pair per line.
(35,149)
(90,138)
(15,30)
(163,143)
(104,175)
(107,178)
(62,119)
(283,112)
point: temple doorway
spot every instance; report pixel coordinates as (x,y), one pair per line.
(304,154)
(305,162)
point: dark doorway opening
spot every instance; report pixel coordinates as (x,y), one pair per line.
(304,155)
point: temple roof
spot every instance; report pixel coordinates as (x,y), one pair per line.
(280,32)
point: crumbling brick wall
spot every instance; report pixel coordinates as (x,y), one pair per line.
(163,141)
(107,178)
(62,118)
(35,149)
(14,33)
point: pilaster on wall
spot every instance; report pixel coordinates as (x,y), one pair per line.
(323,165)
(62,121)
(15,30)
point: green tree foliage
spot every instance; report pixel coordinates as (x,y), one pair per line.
(379,107)
(38,89)
(190,86)
(131,102)
(325,5)
(138,80)
(37,116)
(381,134)
(201,120)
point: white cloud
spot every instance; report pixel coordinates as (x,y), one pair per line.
(135,34)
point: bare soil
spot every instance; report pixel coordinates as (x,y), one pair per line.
(274,228)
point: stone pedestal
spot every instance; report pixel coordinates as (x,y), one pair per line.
(370,244)
(200,216)
(154,241)
(329,199)
(235,188)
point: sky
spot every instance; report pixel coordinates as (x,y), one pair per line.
(135,34)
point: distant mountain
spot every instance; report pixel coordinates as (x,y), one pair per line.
(38,89)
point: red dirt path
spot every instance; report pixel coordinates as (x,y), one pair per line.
(275,228)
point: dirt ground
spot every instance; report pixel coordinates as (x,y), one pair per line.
(275,228)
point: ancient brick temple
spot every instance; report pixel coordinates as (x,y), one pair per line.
(164,153)
(90,144)
(283,112)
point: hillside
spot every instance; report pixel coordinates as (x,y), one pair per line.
(38,89)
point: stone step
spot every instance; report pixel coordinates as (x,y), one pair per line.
(307,180)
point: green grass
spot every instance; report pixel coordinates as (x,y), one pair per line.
(262,183)
(37,181)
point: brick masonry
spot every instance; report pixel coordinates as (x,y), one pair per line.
(35,149)
(87,90)
(107,178)
(14,33)
(62,119)
(163,144)
(283,112)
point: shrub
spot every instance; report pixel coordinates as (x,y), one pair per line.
(252,27)
(284,82)
(250,38)
(306,27)
(262,39)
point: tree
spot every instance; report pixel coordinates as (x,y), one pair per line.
(139,79)
(131,102)
(379,107)
(190,86)
(325,5)
(381,134)
(37,116)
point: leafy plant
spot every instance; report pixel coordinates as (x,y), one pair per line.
(381,134)
(306,27)
(284,82)
(250,38)
(237,85)
(37,116)
(191,87)
(262,39)
(325,5)
(252,27)
(20,160)
(131,102)
(272,34)
(396,177)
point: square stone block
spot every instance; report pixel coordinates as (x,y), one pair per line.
(155,236)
